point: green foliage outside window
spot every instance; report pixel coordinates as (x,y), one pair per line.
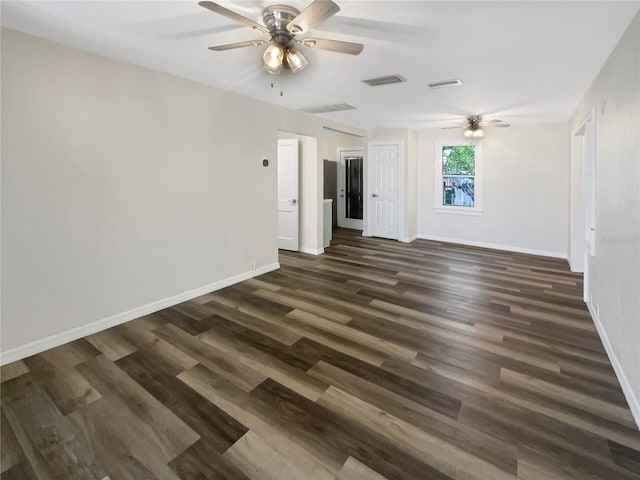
(458,160)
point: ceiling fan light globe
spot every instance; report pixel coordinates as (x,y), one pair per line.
(478,133)
(272,70)
(468,132)
(272,57)
(296,60)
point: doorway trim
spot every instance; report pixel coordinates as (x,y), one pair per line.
(576,200)
(341,181)
(583,155)
(589,211)
(310,195)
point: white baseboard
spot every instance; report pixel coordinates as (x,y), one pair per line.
(61,338)
(312,251)
(495,246)
(408,239)
(632,400)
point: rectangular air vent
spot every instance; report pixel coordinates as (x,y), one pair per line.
(446,83)
(335,107)
(386,80)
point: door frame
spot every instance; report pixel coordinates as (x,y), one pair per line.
(401,187)
(589,234)
(576,200)
(341,182)
(580,255)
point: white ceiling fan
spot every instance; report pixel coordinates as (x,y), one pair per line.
(475,125)
(282,23)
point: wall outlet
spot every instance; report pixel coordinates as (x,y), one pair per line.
(597,308)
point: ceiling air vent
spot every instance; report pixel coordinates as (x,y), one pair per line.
(376,82)
(335,107)
(446,83)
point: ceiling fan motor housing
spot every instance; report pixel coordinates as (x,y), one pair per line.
(474,120)
(276,18)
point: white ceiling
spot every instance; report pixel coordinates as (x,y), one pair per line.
(520,61)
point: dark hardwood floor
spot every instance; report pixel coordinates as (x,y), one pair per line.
(376,360)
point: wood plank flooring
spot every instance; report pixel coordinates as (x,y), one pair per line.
(378,360)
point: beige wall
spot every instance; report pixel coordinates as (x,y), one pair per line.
(525,193)
(333,142)
(615,276)
(123,186)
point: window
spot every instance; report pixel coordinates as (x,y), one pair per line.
(458,181)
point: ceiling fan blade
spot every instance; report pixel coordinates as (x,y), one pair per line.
(394,33)
(231,46)
(332,45)
(501,125)
(214,7)
(311,16)
(450,128)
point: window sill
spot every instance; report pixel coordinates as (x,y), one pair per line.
(477,212)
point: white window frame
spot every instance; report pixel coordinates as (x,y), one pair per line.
(477,187)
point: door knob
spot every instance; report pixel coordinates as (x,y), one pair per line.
(293,202)
(374,195)
(342,195)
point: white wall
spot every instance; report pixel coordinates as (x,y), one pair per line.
(123,187)
(308,192)
(615,276)
(525,190)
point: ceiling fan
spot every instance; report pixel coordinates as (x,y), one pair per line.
(474,128)
(282,23)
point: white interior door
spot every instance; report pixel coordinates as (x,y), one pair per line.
(384,195)
(288,218)
(350,186)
